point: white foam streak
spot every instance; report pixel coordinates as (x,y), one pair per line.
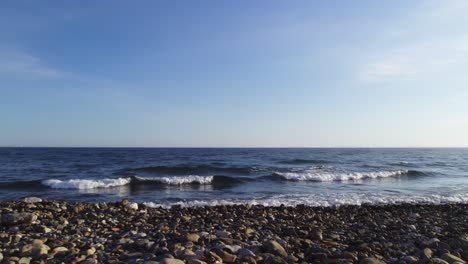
(81,184)
(180,180)
(326,200)
(320,176)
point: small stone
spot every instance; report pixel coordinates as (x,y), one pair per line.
(433,241)
(410,259)
(24,260)
(248,260)
(60,249)
(44,229)
(222,234)
(171,261)
(427,253)
(243,253)
(214,258)
(228,258)
(32,200)
(90,251)
(131,206)
(317,257)
(271,259)
(451,258)
(35,250)
(13,229)
(438,261)
(371,261)
(316,235)
(18,218)
(350,255)
(271,246)
(196,261)
(89,261)
(192,237)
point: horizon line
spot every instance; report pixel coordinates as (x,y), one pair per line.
(248,147)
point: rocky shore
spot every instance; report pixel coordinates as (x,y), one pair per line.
(43,231)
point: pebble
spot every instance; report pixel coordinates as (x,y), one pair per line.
(271,246)
(192,237)
(171,261)
(131,206)
(32,200)
(116,233)
(18,218)
(451,258)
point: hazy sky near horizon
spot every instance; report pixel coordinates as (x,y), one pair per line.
(234,73)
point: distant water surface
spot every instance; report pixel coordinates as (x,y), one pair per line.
(197,177)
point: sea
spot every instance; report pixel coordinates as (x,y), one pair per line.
(225,176)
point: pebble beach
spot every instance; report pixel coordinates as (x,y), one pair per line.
(34,230)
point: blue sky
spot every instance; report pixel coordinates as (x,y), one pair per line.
(234,73)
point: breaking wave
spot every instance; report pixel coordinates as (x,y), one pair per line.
(86,184)
(81,184)
(323,176)
(326,200)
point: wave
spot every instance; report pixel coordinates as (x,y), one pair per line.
(193,170)
(191,179)
(304,161)
(321,176)
(85,183)
(326,200)
(138,181)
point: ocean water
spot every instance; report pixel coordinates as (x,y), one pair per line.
(199,177)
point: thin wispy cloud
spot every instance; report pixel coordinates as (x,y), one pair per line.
(419,60)
(15,62)
(420,54)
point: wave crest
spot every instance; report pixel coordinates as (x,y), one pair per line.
(320,176)
(179,180)
(86,184)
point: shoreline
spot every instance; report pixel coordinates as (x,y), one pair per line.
(49,231)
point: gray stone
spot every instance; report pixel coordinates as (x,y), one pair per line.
(60,249)
(131,206)
(433,241)
(316,234)
(32,200)
(18,218)
(243,253)
(222,234)
(192,237)
(196,261)
(24,260)
(371,261)
(271,246)
(427,253)
(89,261)
(171,261)
(410,259)
(439,261)
(34,250)
(271,259)
(451,258)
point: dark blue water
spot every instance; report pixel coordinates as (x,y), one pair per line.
(229,176)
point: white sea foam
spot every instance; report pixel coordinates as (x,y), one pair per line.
(86,184)
(323,176)
(326,200)
(180,180)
